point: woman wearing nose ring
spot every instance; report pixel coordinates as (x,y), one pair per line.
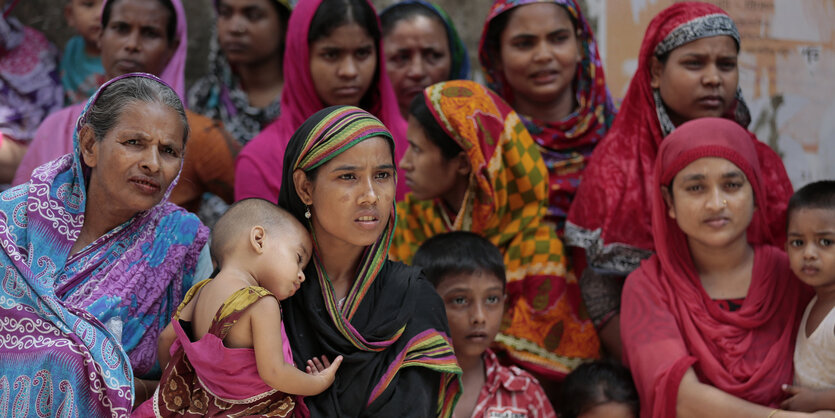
(472,166)
(709,321)
(332,57)
(541,57)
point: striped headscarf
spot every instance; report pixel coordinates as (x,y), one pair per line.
(391,318)
(340,128)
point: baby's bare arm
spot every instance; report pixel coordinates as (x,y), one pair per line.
(265,320)
(166,339)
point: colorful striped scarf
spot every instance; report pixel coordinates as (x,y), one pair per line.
(545,327)
(391,319)
(75,328)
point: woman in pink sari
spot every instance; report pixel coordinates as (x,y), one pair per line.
(332,57)
(708,322)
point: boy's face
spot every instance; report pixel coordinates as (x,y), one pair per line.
(85,17)
(474,306)
(286,253)
(811,247)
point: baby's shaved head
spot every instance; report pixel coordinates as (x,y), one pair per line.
(245,214)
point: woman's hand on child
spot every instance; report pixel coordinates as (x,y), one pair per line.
(801,399)
(324,368)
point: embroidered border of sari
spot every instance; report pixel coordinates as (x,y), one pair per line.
(78,326)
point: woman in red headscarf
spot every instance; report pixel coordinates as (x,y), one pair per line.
(687,69)
(332,57)
(708,322)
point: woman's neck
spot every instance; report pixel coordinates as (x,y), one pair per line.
(339,260)
(97,222)
(725,272)
(551,111)
(262,81)
(454,198)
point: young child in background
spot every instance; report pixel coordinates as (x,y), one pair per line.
(81,69)
(228,349)
(811,250)
(599,390)
(469,275)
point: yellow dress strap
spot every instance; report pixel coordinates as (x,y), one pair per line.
(233,307)
(189,296)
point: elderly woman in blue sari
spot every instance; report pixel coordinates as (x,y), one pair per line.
(421,48)
(96,259)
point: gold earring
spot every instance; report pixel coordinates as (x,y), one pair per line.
(307,212)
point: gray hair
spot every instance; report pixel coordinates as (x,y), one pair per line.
(107,108)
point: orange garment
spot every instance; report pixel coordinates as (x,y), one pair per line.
(209,164)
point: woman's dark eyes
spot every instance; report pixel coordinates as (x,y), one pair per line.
(254,15)
(523,44)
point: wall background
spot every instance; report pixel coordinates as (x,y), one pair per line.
(787,62)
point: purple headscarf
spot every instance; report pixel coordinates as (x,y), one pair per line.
(54,137)
(76,327)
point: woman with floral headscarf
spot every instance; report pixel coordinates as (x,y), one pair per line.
(96,259)
(541,57)
(382,317)
(472,166)
(687,69)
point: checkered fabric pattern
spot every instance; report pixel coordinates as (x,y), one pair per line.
(545,327)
